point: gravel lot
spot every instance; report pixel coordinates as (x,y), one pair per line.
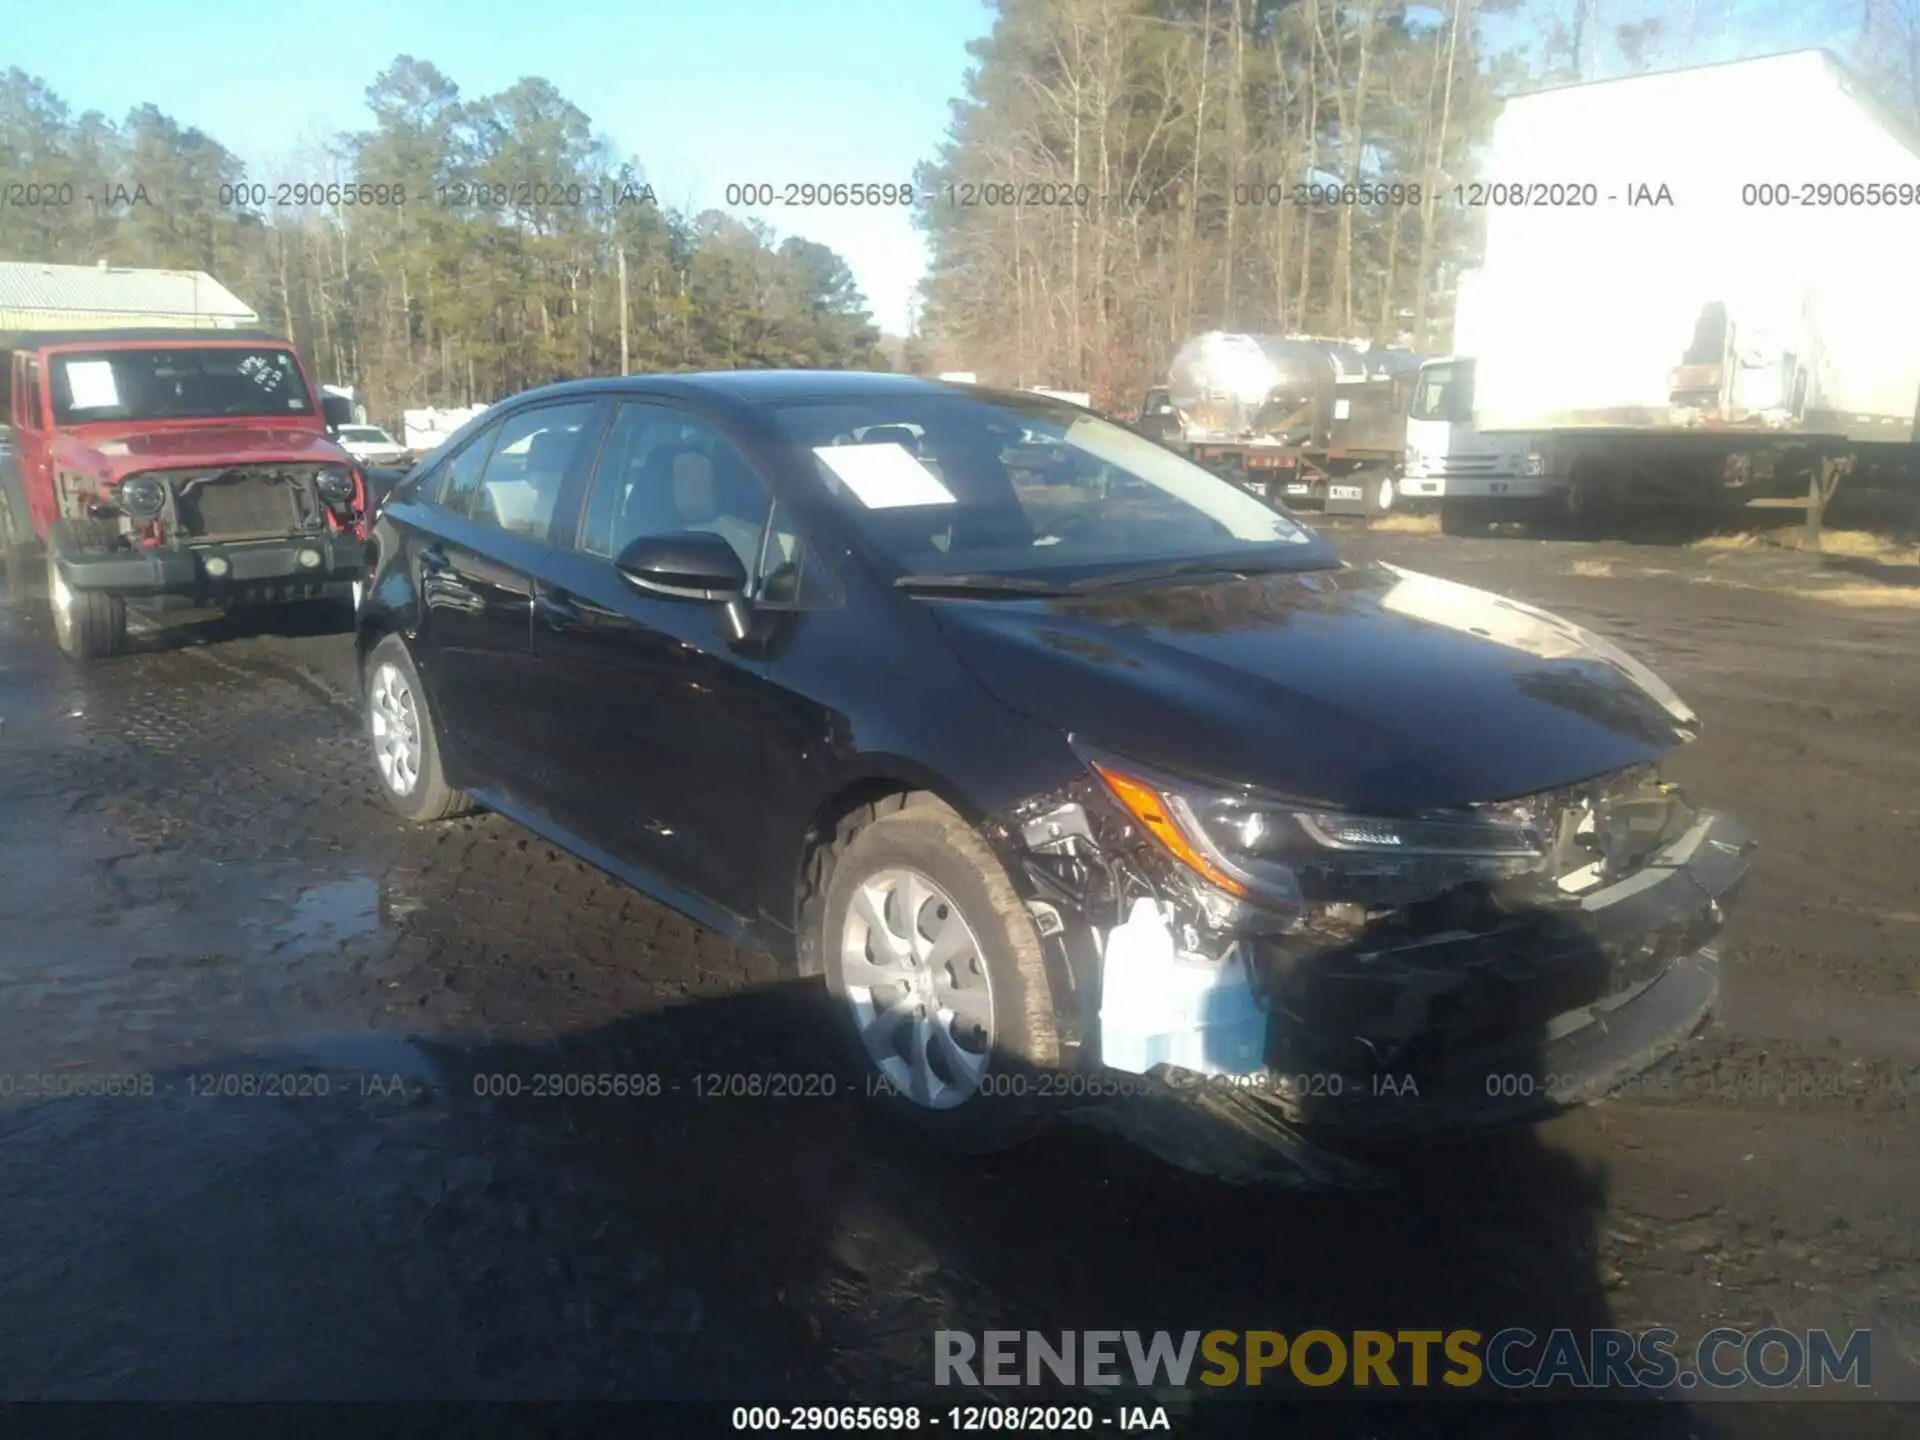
(305,1197)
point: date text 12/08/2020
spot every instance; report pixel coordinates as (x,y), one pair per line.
(454,195)
(960,1419)
(883,194)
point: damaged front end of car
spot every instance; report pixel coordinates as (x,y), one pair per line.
(1373,981)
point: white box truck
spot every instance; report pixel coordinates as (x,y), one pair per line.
(1699,287)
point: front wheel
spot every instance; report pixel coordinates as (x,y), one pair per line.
(938,969)
(405,745)
(15,545)
(88,624)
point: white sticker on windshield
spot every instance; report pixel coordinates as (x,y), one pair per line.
(91,384)
(884,477)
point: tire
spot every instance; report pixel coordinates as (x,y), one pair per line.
(89,625)
(1586,509)
(925,849)
(1382,493)
(15,539)
(392,695)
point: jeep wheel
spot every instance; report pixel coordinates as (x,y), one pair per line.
(405,745)
(939,972)
(14,547)
(88,624)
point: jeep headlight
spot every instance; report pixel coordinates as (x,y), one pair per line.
(141,496)
(1264,847)
(1533,464)
(335,484)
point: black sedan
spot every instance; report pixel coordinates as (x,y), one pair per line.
(1095,767)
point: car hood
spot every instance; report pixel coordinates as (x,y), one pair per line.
(122,452)
(1368,687)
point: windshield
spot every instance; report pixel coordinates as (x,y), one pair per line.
(1445,393)
(947,485)
(183,384)
(365,435)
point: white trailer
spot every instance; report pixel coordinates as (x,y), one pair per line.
(1697,287)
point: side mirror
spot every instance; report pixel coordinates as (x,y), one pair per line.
(687,565)
(690,565)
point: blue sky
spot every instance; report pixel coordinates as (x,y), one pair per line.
(704,92)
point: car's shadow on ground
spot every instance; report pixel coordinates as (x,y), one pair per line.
(861,1241)
(153,632)
(455,1219)
(297,620)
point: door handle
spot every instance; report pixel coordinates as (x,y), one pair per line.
(556,609)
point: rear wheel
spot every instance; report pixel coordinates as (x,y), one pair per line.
(938,967)
(88,624)
(404,739)
(1587,508)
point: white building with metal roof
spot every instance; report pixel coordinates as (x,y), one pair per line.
(93,297)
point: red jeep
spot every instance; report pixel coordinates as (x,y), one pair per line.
(183,469)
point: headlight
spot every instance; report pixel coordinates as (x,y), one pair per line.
(1265,847)
(141,495)
(1534,465)
(335,484)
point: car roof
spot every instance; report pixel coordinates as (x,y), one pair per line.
(753,389)
(47,339)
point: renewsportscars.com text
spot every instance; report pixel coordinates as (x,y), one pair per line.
(1509,1359)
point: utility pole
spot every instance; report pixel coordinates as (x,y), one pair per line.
(623,310)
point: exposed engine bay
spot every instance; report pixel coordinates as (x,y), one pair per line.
(238,502)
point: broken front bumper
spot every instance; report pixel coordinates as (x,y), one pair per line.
(1560,1007)
(1355,1040)
(223,573)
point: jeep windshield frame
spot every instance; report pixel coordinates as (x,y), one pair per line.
(161,383)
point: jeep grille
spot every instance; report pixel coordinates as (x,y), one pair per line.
(246,502)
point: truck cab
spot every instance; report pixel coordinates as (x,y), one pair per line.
(175,469)
(1449,459)
(1158,420)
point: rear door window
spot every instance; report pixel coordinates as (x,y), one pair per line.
(519,487)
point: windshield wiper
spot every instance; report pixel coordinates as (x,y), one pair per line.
(978,585)
(1245,565)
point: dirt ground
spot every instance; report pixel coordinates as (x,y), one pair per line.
(306,1192)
